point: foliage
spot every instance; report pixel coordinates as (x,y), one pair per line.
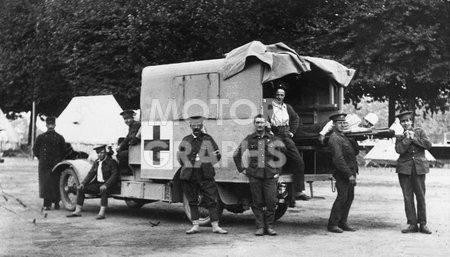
(400,49)
(51,51)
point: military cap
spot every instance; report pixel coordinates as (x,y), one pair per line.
(196,119)
(128,113)
(98,149)
(280,85)
(404,115)
(340,116)
(50,120)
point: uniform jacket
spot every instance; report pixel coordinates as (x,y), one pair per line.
(131,138)
(50,149)
(265,155)
(412,153)
(294,119)
(198,154)
(109,171)
(343,153)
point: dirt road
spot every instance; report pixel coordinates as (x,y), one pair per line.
(377,212)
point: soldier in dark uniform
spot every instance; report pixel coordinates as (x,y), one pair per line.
(132,138)
(266,158)
(100,180)
(343,153)
(49,149)
(412,166)
(197,154)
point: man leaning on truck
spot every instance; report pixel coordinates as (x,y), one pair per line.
(197,154)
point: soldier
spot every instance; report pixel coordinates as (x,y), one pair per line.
(132,138)
(100,180)
(412,166)
(353,124)
(197,154)
(343,153)
(284,122)
(265,161)
(49,149)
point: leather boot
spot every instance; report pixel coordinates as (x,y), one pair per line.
(259,232)
(411,229)
(335,229)
(346,227)
(270,231)
(424,229)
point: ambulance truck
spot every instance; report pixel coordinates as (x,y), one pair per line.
(171,93)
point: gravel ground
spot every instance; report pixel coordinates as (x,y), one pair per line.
(377,212)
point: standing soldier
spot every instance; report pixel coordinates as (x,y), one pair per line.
(343,153)
(265,162)
(49,149)
(411,168)
(197,154)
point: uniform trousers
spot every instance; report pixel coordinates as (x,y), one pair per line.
(264,196)
(94,189)
(344,199)
(414,185)
(295,163)
(208,189)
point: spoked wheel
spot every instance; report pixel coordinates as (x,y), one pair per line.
(203,211)
(134,204)
(68,184)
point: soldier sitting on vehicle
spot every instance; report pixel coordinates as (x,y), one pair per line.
(100,180)
(284,122)
(132,138)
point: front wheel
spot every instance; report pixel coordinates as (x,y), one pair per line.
(204,218)
(68,184)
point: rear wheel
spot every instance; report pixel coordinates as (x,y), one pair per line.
(203,211)
(134,204)
(281,210)
(68,183)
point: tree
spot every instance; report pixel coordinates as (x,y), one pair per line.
(400,49)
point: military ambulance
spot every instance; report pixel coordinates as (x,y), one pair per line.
(228,92)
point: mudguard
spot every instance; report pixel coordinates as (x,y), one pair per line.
(227,196)
(80,166)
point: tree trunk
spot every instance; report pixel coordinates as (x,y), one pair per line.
(391,109)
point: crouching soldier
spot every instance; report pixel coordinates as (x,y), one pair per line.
(197,154)
(99,181)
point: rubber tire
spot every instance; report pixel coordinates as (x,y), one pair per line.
(134,204)
(68,199)
(204,220)
(280,210)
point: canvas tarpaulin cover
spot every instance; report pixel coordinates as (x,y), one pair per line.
(280,60)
